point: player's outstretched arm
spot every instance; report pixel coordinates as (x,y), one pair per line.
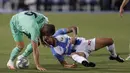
(36,56)
(73,29)
(60,58)
(62,31)
(122,7)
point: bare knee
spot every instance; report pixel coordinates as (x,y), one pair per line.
(102,42)
(20,45)
(109,41)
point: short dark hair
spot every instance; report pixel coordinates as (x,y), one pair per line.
(47,30)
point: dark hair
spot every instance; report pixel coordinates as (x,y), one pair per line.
(47,30)
(50,28)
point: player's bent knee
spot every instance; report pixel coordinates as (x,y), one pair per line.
(110,41)
(103,42)
(20,45)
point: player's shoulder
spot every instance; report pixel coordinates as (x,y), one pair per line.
(61,31)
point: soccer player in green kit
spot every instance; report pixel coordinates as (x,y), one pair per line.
(34,25)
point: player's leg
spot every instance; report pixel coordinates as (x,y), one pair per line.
(105,42)
(79,58)
(28,51)
(16,50)
(19,46)
(109,43)
(82,52)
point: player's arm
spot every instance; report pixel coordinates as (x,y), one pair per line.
(122,7)
(124,3)
(35,53)
(63,62)
(66,65)
(61,59)
(72,29)
(34,40)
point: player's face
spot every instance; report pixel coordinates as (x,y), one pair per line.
(50,40)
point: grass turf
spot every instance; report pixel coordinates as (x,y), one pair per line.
(90,26)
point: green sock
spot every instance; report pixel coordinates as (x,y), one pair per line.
(28,50)
(14,53)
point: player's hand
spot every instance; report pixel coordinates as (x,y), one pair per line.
(121,12)
(41,68)
(70,66)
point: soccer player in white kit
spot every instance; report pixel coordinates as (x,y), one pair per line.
(78,48)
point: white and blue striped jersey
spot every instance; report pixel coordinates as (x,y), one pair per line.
(63,45)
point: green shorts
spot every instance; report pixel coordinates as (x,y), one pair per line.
(17,35)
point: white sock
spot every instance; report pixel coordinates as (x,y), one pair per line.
(10,63)
(111,49)
(78,58)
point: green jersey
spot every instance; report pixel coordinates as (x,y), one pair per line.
(29,23)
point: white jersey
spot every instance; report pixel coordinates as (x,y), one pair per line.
(64,47)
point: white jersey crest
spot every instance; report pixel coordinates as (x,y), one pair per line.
(62,38)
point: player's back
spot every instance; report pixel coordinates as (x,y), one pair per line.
(26,20)
(26,17)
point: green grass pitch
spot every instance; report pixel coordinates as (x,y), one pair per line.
(90,26)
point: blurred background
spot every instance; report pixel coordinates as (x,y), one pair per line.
(61,5)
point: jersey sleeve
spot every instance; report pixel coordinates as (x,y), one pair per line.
(57,54)
(60,32)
